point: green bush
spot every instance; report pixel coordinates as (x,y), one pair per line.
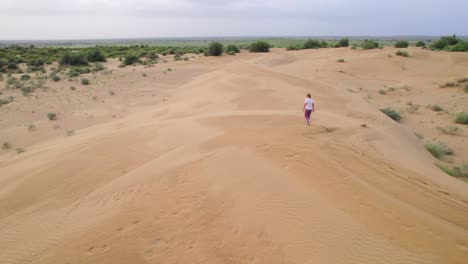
(294,47)
(402,53)
(231,53)
(260,46)
(25,77)
(392,114)
(312,44)
(460,46)
(85,81)
(436,108)
(444,42)
(76,58)
(55,78)
(130,59)
(232,48)
(52,116)
(369,44)
(215,49)
(461,118)
(401,44)
(438,149)
(420,44)
(344,42)
(95,55)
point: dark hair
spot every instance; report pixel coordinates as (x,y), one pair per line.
(308,95)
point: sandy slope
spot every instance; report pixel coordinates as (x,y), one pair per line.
(223,170)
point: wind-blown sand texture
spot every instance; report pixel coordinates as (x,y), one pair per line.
(212,163)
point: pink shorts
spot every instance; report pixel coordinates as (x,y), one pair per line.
(307,113)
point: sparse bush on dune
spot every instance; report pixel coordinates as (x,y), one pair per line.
(294,47)
(461,118)
(260,46)
(6,145)
(449,130)
(436,108)
(401,44)
(456,171)
(215,49)
(130,59)
(52,116)
(232,48)
(340,60)
(344,42)
(450,43)
(369,44)
(438,149)
(85,81)
(402,53)
(77,58)
(95,55)
(391,113)
(312,44)
(449,84)
(420,44)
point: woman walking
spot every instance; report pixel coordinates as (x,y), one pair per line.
(309,107)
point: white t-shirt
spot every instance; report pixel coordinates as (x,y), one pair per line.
(309,103)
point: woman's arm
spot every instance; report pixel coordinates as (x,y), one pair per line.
(313,107)
(303,108)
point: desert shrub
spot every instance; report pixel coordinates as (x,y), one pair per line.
(31,127)
(73,88)
(369,44)
(436,108)
(6,101)
(294,47)
(177,57)
(25,77)
(95,55)
(36,69)
(75,58)
(215,49)
(340,60)
(419,135)
(420,44)
(354,46)
(449,84)
(260,46)
(19,150)
(391,113)
(402,53)
(461,118)
(85,81)
(6,145)
(312,44)
(444,42)
(449,130)
(401,44)
(382,91)
(52,116)
(460,46)
(438,149)
(344,42)
(26,90)
(232,53)
(465,89)
(54,77)
(462,80)
(232,48)
(130,59)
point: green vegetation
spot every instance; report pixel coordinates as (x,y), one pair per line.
(369,44)
(456,171)
(6,101)
(450,43)
(130,59)
(436,108)
(420,44)
(391,113)
(419,135)
(461,118)
(232,48)
(314,44)
(401,44)
(19,150)
(215,49)
(52,116)
(344,42)
(402,53)
(450,130)
(6,145)
(260,46)
(231,53)
(85,81)
(438,149)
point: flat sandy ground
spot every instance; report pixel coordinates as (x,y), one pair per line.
(211,162)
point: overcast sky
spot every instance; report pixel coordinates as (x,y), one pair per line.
(90,19)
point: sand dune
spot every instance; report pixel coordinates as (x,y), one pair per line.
(212,163)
